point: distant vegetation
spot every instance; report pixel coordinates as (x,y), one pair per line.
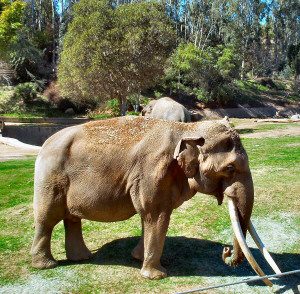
(115,50)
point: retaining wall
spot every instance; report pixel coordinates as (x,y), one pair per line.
(30,134)
(243,112)
(36,130)
(42,128)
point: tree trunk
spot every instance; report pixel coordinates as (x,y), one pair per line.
(243,70)
(53,27)
(137,106)
(122,105)
(33,18)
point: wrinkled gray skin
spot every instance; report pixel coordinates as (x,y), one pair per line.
(167,109)
(111,170)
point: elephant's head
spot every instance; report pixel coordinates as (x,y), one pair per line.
(146,111)
(217,164)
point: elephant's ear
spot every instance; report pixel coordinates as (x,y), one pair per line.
(186,153)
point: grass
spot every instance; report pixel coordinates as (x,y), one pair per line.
(198,231)
(16,182)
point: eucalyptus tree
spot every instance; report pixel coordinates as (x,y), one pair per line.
(285,21)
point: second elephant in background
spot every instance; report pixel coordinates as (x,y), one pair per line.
(167,109)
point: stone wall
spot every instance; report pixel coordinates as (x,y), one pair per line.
(243,112)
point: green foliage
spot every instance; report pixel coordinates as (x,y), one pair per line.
(11,14)
(26,60)
(113,53)
(113,106)
(293,55)
(26,92)
(206,74)
(22,98)
(228,63)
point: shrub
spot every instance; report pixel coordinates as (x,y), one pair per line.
(26,92)
(52,93)
(113,107)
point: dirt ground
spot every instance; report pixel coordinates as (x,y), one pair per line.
(253,124)
(15,151)
(8,152)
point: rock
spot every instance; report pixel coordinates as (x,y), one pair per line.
(295,116)
(70,111)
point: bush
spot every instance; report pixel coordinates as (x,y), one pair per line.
(205,74)
(26,92)
(52,93)
(113,107)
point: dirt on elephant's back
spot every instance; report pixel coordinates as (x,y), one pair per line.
(125,130)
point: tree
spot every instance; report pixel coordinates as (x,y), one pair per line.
(293,56)
(205,74)
(11,14)
(113,53)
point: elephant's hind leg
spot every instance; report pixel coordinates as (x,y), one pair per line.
(75,247)
(40,250)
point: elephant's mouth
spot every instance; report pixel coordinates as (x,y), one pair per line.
(219,194)
(242,242)
(220,197)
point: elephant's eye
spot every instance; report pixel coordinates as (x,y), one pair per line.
(227,171)
(230,169)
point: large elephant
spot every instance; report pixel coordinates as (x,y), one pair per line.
(111,170)
(167,109)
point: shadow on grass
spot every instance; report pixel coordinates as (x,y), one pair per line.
(195,257)
(245,131)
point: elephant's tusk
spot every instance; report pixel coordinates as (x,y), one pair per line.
(263,249)
(242,242)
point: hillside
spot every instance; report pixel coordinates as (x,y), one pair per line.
(262,92)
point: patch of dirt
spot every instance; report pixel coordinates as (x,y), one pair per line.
(251,128)
(8,152)
(287,131)
(40,284)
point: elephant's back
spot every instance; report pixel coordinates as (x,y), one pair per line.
(126,130)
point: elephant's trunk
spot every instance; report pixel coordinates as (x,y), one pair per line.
(240,202)
(241,193)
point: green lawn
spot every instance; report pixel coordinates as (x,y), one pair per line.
(198,232)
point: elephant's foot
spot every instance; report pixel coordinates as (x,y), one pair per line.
(138,252)
(154,273)
(77,254)
(42,262)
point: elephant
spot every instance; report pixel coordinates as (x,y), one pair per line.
(167,109)
(110,170)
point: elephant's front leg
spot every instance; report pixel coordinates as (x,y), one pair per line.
(155,230)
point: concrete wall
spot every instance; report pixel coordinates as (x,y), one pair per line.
(38,133)
(31,134)
(243,112)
